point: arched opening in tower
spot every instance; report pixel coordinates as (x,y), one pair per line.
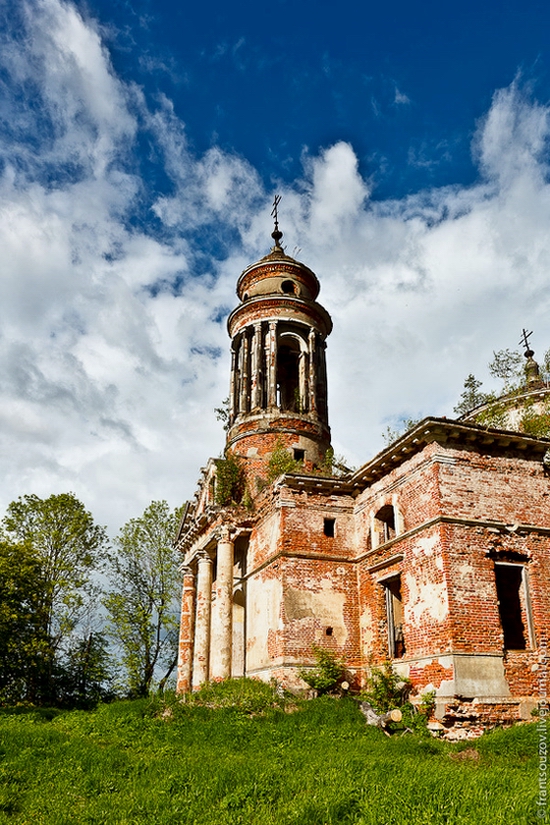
(288,375)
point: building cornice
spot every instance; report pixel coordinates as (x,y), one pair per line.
(442,431)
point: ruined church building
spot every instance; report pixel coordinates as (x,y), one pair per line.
(434,555)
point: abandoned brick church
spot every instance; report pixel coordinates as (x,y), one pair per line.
(435,554)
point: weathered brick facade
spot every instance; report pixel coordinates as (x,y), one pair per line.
(435,554)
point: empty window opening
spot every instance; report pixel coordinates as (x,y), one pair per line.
(288,376)
(212,490)
(394,617)
(299,455)
(385,523)
(289,287)
(510,588)
(328,631)
(328,527)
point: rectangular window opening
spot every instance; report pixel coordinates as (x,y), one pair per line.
(394,616)
(299,455)
(510,583)
(328,527)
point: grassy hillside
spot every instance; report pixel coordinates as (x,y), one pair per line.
(255,763)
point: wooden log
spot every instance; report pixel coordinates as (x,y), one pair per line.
(380,720)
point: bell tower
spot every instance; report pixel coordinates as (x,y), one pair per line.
(278,390)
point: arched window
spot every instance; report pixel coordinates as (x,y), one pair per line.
(384,524)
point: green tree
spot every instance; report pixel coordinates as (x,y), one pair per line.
(507,365)
(57,547)
(25,647)
(390,435)
(69,547)
(471,397)
(86,675)
(222,413)
(143,603)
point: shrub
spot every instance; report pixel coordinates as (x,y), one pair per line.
(281,461)
(230,481)
(327,673)
(386,689)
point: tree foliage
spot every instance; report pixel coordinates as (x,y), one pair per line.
(471,397)
(143,603)
(86,676)
(391,434)
(230,481)
(507,365)
(222,413)
(48,551)
(281,461)
(68,545)
(25,647)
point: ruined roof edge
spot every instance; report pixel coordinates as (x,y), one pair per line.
(426,431)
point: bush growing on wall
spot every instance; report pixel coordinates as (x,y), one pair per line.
(281,461)
(230,481)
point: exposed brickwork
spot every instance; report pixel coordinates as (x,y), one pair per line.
(432,673)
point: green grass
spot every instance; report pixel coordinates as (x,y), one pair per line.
(251,762)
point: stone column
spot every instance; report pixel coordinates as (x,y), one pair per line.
(302,379)
(272,364)
(187,626)
(222,627)
(245,375)
(201,657)
(312,372)
(240,371)
(232,405)
(256,391)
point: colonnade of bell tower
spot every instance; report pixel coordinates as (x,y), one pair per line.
(278,386)
(278,366)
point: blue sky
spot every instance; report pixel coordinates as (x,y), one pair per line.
(404,83)
(141,147)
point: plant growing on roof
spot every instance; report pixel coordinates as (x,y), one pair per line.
(230,481)
(281,461)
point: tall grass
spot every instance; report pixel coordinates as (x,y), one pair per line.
(251,761)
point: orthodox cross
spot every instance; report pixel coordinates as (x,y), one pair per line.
(274,211)
(524,341)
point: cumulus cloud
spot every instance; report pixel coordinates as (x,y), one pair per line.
(113,349)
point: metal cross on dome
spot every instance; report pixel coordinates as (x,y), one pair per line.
(274,211)
(524,341)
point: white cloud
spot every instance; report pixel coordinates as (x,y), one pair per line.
(113,349)
(401,98)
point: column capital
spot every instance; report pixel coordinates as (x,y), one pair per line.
(203,556)
(225,533)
